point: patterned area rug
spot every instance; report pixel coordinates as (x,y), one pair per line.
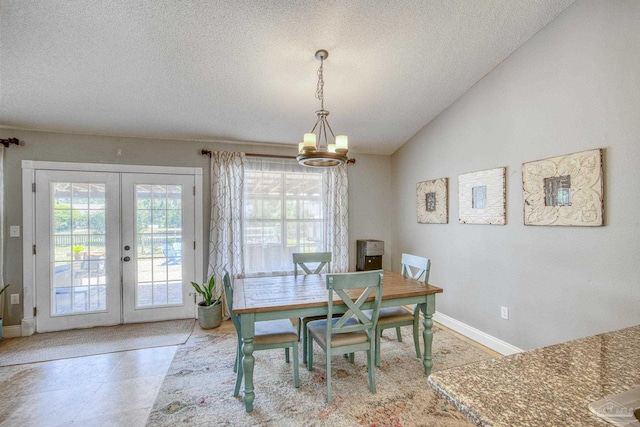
(198,388)
(87,342)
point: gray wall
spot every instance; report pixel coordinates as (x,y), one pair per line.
(368,184)
(574,86)
(370,208)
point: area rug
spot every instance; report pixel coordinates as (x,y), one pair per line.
(87,342)
(198,388)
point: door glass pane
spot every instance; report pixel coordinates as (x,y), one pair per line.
(78,257)
(159,245)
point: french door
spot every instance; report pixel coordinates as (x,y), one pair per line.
(112,248)
(158,247)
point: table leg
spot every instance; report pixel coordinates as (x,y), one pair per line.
(247,326)
(428,310)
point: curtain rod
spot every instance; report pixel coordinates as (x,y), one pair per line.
(7,142)
(272,156)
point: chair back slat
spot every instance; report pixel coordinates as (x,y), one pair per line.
(354,307)
(228,295)
(415,267)
(369,282)
(301,259)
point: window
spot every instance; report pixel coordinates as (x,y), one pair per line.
(283,214)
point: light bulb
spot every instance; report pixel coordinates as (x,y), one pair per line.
(342,143)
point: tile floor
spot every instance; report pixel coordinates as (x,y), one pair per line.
(115,389)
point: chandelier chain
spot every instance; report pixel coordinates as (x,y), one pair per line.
(320,86)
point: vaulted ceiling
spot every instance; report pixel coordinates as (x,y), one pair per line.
(245,71)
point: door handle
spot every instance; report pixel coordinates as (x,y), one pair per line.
(126,259)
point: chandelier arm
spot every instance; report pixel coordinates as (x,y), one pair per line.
(320,131)
(316,125)
(330,130)
(325,124)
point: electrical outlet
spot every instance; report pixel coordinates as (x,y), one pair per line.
(504,313)
(15,298)
(14,231)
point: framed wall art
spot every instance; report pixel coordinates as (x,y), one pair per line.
(432,202)
(565,190)
(481,197)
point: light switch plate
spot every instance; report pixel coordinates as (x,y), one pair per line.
(14,231)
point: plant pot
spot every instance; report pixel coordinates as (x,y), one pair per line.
(210,316)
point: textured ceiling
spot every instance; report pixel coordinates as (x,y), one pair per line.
(245,71)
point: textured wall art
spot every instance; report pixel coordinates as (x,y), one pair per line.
(564,190)
(481,197)
(431,201)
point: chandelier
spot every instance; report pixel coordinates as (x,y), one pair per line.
(316,149)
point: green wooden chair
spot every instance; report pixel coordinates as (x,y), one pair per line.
(268,334)
(351,331)
(300,260)
(413,267)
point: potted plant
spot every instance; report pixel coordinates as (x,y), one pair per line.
(77,251)
(1,291)
(210,308)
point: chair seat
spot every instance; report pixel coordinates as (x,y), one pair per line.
(302,327)
(390,315)
(305,320)
(318,328)
(394,314)
(274,331)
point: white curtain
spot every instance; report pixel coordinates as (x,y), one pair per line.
(225,234)
(1,229)
(335,187)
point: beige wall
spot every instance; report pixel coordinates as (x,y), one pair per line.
(574,86)
(369,183)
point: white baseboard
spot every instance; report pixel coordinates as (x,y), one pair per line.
(477,335)
(11,331)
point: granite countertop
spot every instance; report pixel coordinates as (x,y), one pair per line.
(549,386)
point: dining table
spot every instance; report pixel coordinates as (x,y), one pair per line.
(257,299)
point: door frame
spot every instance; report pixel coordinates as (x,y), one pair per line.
(29,167)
